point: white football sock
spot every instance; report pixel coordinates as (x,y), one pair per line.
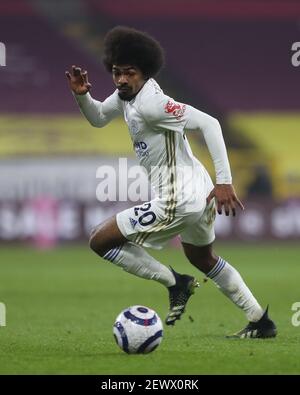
(230,282)
(135,260)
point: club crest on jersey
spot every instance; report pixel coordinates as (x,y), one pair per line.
(175,108)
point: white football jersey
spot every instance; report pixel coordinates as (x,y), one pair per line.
(157,125)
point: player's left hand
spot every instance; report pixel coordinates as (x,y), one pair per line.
(78,80)
(225,197)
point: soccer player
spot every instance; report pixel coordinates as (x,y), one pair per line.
(185,198)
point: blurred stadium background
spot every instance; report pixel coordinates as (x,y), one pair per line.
(229,58)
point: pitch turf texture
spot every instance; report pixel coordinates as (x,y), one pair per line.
(61,306)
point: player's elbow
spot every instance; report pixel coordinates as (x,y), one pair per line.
(214,123)
(213,126)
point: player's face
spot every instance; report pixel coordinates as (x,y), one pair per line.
(128,80)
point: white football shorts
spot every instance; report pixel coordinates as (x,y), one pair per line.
(154,223)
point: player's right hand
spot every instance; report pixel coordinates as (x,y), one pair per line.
(78,80)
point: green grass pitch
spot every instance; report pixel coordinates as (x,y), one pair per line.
(61,306)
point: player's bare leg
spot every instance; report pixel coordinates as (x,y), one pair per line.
(106,236)
(203,258)
(229,281)
(109,243)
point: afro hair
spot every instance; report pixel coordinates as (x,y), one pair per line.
(124,45)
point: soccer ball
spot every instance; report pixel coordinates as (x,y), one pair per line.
(138,330)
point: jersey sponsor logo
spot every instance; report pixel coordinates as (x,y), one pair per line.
(175,108)
(140,145)
(141,148)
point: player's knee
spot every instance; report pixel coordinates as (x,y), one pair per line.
(201,257)
(199,254)
(92,242)
(95,244)
(208,261)
(205,266)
